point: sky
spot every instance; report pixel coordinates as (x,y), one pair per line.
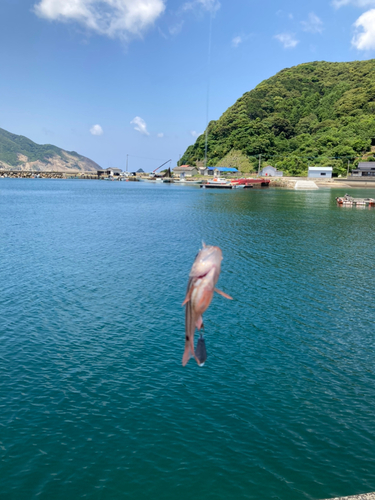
(111,78)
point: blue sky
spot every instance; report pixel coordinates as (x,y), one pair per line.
(107,78)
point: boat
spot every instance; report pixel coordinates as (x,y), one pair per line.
(221,183)
(349,201)
(218,183)
(186,182)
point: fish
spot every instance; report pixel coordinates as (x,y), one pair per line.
(203,277)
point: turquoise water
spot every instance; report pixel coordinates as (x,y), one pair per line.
(94,402)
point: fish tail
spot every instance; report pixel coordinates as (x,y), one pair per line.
(187,353)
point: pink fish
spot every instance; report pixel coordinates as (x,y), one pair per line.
(200,290)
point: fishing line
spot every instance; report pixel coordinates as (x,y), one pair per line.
(143,158)
(208,87)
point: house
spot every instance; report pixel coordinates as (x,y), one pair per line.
(318,172)
(364,169)
(185,171)
(110,172)
(216,171)
(270,171)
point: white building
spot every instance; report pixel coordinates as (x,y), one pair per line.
(319,172)
(270,171)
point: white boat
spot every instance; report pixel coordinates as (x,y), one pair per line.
(218,181)
(185,182)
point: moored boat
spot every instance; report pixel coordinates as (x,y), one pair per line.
(219,182)
(349,201)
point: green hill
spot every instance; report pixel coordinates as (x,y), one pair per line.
(20,153)
(317,113)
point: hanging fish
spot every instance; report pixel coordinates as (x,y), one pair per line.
(201,287)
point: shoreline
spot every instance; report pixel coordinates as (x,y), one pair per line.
(279,182)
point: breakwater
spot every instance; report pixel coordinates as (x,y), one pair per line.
(36,174)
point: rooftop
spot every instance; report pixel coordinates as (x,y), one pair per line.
(184,167)
(366,165)
(223,169)
(329,169)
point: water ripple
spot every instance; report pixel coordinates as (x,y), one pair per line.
(94,402)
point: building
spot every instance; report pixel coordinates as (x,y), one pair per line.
(110,172)
(270,172)
(216,171)
(318,172)
(185,171)
(364,169)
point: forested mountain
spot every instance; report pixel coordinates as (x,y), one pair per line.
(20,153)
(318,113)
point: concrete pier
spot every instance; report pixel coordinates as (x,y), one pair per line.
(305,185)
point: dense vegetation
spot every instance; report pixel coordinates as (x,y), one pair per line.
(317,113)
(12,145)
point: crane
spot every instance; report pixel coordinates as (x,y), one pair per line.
(160,166)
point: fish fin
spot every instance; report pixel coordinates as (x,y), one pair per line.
(187,353)
(223,294)
(199,322)
(189,333)
(189,290)
(188,296)
(203,244)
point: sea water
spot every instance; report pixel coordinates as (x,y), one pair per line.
(94,402)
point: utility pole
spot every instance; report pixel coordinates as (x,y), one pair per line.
(127,162)
(347,173)
(259,165)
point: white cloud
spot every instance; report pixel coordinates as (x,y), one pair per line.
(96,130)
(236,41)
(287,39)
(357,3)
(140,125)
(313,25)
(364,39)
(160,135)
(195,134)
(208,5)
(176,28)
(113,18)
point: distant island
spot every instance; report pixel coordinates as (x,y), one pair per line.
(318,113)
(20,153)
